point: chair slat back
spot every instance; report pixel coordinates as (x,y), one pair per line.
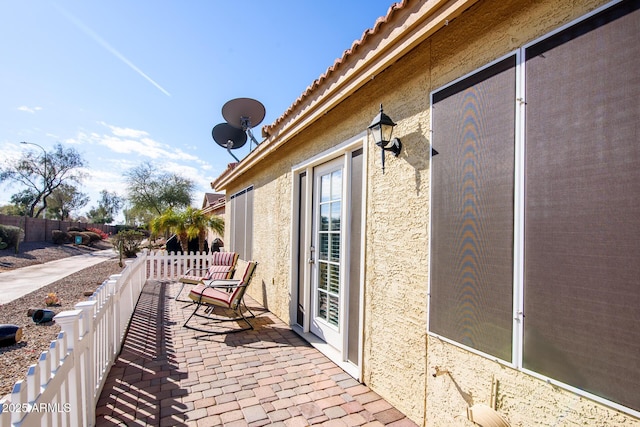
(217,272)
(245,279)
(224,258)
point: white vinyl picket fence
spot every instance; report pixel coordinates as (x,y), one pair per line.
(63,387)
(169,266)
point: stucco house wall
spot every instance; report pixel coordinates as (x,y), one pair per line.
(431,381)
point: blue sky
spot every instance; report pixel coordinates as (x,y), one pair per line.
(126,82)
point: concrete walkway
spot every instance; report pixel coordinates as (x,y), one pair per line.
(167,375)
(17,283)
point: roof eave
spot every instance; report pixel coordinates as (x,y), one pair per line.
(405,26)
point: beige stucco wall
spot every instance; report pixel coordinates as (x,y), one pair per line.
(487,31)
(399,358)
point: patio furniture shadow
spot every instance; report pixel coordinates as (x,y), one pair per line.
(261,321)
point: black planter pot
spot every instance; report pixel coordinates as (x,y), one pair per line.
(10,334)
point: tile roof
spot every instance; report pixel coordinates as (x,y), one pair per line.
(357,44)
(406,24)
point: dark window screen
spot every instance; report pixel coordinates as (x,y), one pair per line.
(582,206)
(242,223)
(471,296)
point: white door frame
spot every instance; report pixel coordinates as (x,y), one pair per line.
(304,271)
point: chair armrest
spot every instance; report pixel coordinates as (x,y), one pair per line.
(195,269)
(223,283)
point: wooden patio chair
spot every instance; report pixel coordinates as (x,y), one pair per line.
(228,294)
(221,266)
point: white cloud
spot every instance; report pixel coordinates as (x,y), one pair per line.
(102,179)
(31,110)
(133,141)
(126,132)
(128,147)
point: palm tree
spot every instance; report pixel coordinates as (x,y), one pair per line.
(187,225)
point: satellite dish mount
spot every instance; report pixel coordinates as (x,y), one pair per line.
(229,137)
(241,115)
(244,113)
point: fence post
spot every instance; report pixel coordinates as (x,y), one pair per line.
(69,323)
(88,357)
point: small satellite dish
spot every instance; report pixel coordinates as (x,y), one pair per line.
(229,137)
(244,113)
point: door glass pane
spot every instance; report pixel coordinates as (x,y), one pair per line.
(334,279)
(324,217)
(324,246)
(335,247)
(322,281)
(336,185)
(322,305)
(335,216)
(325,189)
(334,312)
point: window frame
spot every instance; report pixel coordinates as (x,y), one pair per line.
(518,227)
(247,228)
(519,223)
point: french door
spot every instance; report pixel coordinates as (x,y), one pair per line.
(326,273)
(327,289)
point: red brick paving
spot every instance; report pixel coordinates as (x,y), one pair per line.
(168,375)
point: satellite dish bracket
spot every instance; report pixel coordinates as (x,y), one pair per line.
(229,147)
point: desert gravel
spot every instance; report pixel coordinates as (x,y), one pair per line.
(15,359)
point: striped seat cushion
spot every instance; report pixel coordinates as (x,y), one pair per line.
(215,272)
(211,295)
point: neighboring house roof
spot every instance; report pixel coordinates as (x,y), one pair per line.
(211,198)
(405,26)
(213,202)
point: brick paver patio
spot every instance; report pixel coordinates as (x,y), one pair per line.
(168,375)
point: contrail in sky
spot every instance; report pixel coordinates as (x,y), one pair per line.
(108,47)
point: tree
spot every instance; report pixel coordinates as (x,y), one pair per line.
(108,206)
(187,224)
(41,174)
(11,210)
(135,217)
(22,200)
(64,200)
(155,192)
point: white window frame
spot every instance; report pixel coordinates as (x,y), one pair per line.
(519,185)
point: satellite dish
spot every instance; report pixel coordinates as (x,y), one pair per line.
(229,137)
(244,113)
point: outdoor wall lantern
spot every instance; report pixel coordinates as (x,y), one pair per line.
(381,129)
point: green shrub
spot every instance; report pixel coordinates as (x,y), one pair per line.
(74,228)
(85,238)
(3,245)
(60,237)
(11,235)
(127,242)
(93,237)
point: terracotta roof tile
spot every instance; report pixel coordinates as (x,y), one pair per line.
(268,129)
